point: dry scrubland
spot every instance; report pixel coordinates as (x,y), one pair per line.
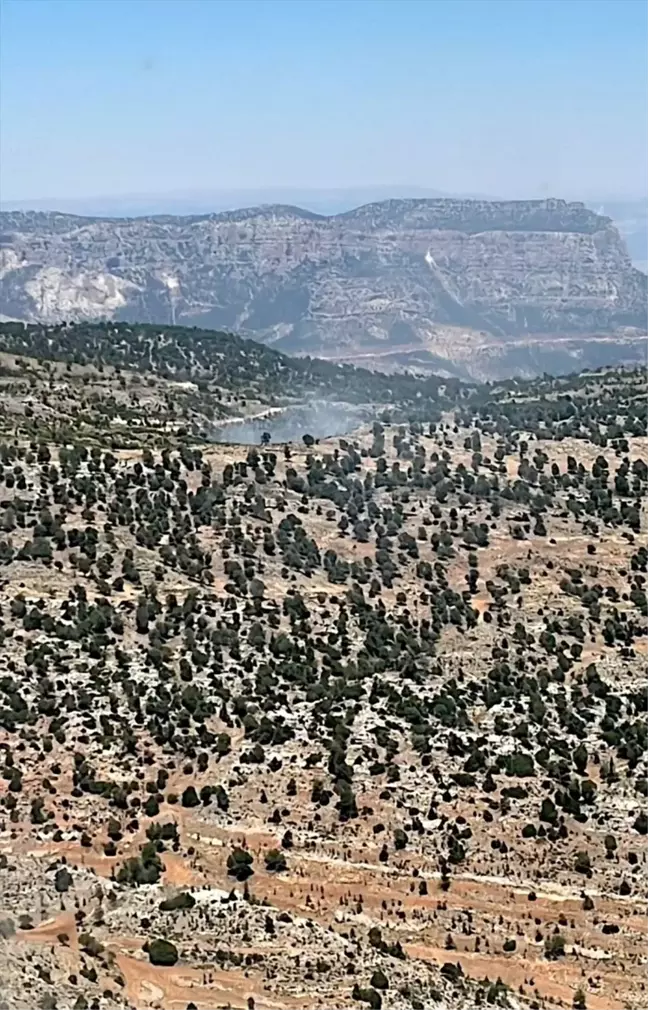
(356,724)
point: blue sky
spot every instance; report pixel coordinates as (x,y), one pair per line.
(506,97)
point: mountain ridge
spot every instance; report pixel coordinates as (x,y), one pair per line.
(388,274)
(590,220)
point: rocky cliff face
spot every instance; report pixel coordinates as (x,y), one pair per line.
(387,275)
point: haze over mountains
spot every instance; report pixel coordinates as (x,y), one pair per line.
(629,215)
(210,201)
(468,287)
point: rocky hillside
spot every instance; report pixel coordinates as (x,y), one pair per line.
(352,725)
(402,274)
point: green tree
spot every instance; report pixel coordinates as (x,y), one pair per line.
(162,952)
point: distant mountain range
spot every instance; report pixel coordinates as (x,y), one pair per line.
(469,287)
(336,200)
(630,216)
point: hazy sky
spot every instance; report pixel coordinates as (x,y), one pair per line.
(507,97)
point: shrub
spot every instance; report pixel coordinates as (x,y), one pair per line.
(641,823)
(400,838)
(239,864)
(583,864)
(451,971)
(370,996)
(520,765)
(63,880)
(554,946)
(161,952)
(181,900)
(379,980)
(275,861)
(190,797)
(143,869)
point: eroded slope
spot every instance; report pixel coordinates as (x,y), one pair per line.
(369,713)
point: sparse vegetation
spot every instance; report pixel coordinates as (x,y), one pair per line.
(369,666)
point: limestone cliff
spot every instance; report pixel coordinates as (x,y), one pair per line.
(387,275)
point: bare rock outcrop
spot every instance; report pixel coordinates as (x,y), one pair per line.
(386,275)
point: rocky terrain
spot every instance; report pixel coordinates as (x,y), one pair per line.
(631,218)
(338,723)
(468,288)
